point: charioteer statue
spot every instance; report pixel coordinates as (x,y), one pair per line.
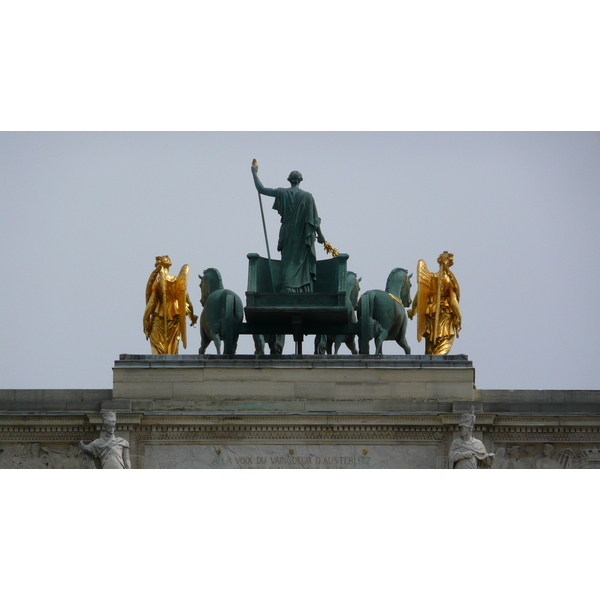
(300,225)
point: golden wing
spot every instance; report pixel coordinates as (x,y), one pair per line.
(426,283)
(153,276)
(180,295)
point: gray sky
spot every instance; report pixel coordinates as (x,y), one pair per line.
(84,215)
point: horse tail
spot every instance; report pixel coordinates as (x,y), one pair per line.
(222,312)
(375,312)
(366,310)
(231,312)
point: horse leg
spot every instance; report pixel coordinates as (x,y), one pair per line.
(380,337)
(351,344)
(320,344)
(279,343)
(276,343)
(338,342)
(366,322)
(227,324)
(259,344)
(217,340)
(204,342)
(401,339)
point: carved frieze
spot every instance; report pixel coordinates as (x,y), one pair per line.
(546,456)
(35,455)
(541,442)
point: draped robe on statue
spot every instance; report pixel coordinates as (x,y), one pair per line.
(474,445)
(299,222)
(109,451)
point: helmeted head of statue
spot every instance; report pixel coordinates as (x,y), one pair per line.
(110,421)
(109,416)
(295,176)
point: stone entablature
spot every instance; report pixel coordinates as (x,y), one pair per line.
(170,425)
(392,441)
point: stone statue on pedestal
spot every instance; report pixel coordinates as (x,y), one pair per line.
(112,451)
(466,452)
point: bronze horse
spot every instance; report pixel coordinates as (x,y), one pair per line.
(333,342)
(221,316)
(385,313)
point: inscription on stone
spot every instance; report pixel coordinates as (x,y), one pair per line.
(278,456)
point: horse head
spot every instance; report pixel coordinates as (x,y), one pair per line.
(399,284)
(210,281)
(352,288)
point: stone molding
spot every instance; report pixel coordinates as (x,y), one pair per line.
(353,384)
(284,361)
(581,435)
(187,407)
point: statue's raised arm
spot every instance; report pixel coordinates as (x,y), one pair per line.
(257,182)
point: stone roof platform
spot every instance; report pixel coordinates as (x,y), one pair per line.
(293,384)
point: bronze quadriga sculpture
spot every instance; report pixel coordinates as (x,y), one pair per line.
(323,311)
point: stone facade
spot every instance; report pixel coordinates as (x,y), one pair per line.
(290,412)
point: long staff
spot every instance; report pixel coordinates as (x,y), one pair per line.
(262,214)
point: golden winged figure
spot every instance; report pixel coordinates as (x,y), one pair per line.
(436,305)
(167,305)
